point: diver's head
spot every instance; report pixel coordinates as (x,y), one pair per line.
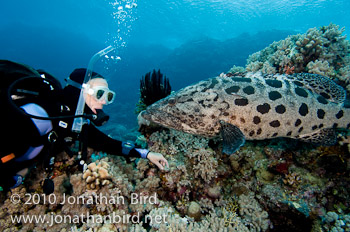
(97,94)
(96,91)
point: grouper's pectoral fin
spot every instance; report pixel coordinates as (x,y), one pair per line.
(232,136)
(325,137)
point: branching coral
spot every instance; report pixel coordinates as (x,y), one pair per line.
(323,51)
(292,179)
(252,213)
(204,164)
(96,175)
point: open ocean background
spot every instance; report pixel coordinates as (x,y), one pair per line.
(188,40)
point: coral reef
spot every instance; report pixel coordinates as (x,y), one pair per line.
(254,217)
(336,222)
(272,185)
(323,51)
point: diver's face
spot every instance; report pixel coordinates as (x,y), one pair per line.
(91,100)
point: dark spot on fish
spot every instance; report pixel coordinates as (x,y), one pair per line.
(249,90)
(303,109)
(213,116)
(300,129)
(335,125)
(314,127)
(256,120)
(216,98)
(297,122)
(251,133)
(322,100)
(301,92)
(325,95)
(275,123)
(241,102)
(232,89)
(188,100)
(242,79)
(210,105)
(320,113)
(275,134)
(340,114)
(191,116)
(274,83)
(201,102)
(196,110)
(320,126)
(280,109)
(298,83)
(258,132)
(274,95)
(242,120)
(289,133)
(233,117)
(264,108)
(226,114)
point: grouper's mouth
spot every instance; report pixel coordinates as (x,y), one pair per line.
(161,118)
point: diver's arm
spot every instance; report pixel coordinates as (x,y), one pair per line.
(102,142)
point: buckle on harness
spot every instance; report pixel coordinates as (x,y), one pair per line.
(52,137)
(127,147)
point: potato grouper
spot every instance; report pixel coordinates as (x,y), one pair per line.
(303,106)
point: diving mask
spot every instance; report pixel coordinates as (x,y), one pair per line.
(101,93)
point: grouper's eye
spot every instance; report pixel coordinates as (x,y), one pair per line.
(171,101)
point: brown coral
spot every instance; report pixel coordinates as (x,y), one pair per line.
(292,179)
(96,175)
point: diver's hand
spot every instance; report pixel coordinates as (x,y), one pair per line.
(158,159)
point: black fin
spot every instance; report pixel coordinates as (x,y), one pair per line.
(232,136)
(321,85)
(325,137)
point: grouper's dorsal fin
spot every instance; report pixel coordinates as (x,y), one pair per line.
(232,136)
(320,85)
(325,137)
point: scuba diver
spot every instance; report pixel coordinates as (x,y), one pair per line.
(43,114)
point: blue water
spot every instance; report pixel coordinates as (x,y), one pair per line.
(188,40)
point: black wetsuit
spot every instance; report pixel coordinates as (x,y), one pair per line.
(24,132)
